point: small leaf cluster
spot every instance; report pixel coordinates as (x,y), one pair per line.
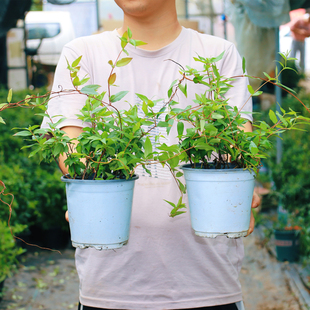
(9,252)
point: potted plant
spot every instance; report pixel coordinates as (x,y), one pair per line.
(9,252)
(101,161)
(287,237)
(223,158)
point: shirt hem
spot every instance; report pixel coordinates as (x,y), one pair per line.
(187,304)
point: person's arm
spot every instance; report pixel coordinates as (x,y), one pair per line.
(72,132)
(256,199)
(300,27)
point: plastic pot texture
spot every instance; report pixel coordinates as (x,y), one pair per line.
(219,200)
(287,245)
(99,212)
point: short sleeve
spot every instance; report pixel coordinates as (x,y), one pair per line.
(64,101)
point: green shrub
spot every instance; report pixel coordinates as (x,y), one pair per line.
(8,250)
(39,193)
(291,176)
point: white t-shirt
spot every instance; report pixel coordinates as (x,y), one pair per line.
(164,265)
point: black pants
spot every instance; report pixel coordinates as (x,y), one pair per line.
(223,307)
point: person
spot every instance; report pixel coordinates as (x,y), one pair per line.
(300,30)
(164,265)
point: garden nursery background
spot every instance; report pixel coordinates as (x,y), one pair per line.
(32,34)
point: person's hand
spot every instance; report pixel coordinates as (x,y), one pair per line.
(67,216)
(255,204)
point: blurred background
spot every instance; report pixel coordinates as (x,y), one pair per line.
(33,32)
(32,35)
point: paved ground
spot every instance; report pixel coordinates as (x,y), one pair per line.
(49,281)
(265,285)
(46,281)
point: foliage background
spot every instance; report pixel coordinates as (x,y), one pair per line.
(39,194)
(291,176)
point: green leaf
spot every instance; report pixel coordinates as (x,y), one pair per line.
(129,33)
(1,120)
(287,88)
(204,146)
(2,105)
(216,59)
(251,90)
(136,127)
(23,133)
(253,148)
(34,152)
(243,65)
(10,95)
(268,76)
(171,88)
(77,61)
(273,117)
(202,125)
(144,108)
(84,80)
(123,62)
(216,116)
(162,124)
(183,89)
(258,93)
(136,43)
(28,98)
(124,40)
(142,97)
(171,203)
(179,174)
(76,81)
(117,97)
(180,128)
(147,147)
(90,89)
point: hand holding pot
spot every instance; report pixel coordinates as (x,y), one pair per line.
(255,203)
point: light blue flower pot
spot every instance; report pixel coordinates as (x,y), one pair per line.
(99,212)
(219,201)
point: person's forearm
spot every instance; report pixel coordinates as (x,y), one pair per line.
(247,127)
(72,132)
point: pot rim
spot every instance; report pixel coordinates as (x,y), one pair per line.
(287,231)
(69,180)
(211,170)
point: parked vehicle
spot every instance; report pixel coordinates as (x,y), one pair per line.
(46,34)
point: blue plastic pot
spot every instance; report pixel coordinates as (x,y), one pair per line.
(99,212)
(219,200)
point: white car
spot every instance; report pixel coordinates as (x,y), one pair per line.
(46,34)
